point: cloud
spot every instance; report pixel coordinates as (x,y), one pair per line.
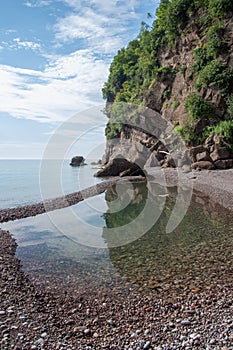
(105,26)
(38,3)
(18,44)
(73,81)
(68,84)
(26,44)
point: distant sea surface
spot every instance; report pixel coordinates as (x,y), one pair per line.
(20,180)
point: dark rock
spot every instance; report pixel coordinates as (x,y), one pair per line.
(132,172)
(194,151)
(169,162)
(224,164)
(77,161)
(203,165)
(120,166)
(220,153)
(203,156)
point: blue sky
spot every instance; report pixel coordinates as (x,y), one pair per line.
(54,60)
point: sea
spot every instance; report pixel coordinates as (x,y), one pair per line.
(26,181)
(121,232)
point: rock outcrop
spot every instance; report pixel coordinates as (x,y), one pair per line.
(190,83)
(134,151)
(119,166)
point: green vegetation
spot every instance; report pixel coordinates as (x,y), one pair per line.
(224,130)
(138,67)
(187,132)
(217,75)
(175,104)
(230,106)
(198,108)
(218,8)
(113,130)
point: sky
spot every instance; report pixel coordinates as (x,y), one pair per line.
(54,60)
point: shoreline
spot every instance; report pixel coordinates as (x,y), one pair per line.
(217,185)
(22,212)
(122,316)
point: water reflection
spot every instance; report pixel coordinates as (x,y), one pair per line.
(195,256)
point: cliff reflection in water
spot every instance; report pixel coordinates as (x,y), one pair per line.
(196,256)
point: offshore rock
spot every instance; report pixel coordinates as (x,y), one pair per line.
(77,161)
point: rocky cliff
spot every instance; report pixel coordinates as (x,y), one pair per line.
(182,68)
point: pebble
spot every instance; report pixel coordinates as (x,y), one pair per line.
(87,331)
(194,336)
(147,345)
(185,323)
(137,327)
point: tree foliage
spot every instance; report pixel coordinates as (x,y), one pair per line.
(137,67)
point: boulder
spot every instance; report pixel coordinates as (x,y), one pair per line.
(224,164)
(194,151)
(77,161)
(203,156)
(203,164)
(120,167)
(220,153)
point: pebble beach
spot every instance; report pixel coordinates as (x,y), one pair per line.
(119,314)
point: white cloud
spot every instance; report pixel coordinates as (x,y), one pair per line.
(67,85)
(37,3)
(105,25)
(26,44)
(71,82)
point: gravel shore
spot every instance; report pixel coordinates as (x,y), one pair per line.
(215,184)
(90,314)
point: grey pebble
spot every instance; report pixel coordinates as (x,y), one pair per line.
(185,323)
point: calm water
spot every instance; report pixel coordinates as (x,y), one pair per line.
(112,234)
(22,181)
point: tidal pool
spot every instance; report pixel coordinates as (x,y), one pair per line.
(121,235)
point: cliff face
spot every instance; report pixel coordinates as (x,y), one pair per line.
(181,60)
(184,71)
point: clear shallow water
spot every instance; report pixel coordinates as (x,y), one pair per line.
(78,244)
